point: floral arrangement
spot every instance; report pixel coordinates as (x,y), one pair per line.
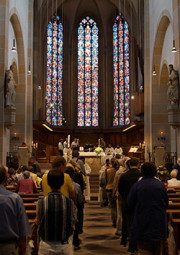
(98,150)
(162,170)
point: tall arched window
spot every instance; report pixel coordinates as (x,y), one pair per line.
(121,72)
(88,112)
(54,107)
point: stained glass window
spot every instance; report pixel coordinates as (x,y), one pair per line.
(87,113)
(121,72)
(54,112)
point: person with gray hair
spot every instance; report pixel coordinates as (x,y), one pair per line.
(173,182)
(26,185)
(14,225)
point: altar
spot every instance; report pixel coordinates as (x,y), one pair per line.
(94,161)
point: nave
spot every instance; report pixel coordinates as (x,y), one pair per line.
(98,236)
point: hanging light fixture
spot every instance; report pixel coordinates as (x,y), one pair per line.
(154,71)
(174,48)
(14,46)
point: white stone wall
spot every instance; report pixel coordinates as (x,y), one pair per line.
(23,9)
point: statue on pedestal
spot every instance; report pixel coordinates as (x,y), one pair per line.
(10,88)
(172,92)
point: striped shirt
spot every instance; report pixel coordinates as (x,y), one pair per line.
(55,216)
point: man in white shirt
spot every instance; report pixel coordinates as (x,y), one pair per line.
(60,146)
(118,150)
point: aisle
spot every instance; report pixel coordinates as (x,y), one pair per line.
(98,237)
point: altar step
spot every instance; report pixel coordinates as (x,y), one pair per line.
(94,186)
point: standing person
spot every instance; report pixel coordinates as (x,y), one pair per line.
(122,169)
(65,144)
(103,199)
(148,201)
(14,225)
(125,184)
(33,162)
(74,144)
(67,188)
(75,157)
(60,146)
(114,166)
(118,150)
(79,204)
(55,218)
(102,143)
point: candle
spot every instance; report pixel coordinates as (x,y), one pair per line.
(32,143)
(78,141)
(68,141)
(36,145)
(15,134)
(99,141)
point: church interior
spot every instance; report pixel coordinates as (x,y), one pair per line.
(90,71)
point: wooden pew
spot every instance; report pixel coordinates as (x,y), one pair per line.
(31,195)
(175,199)
(30,206)
(174,206)
(30,199)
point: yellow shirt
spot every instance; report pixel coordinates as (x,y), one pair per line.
(34,176)
(66,188)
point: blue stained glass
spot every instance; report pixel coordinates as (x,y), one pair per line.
(54,112)
(121,72)
(87,113)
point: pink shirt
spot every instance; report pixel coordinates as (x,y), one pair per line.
(26,186)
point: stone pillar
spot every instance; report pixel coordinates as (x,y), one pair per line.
(29,111)
(147,84)
(4,25)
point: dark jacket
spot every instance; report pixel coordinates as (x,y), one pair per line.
(126,181)
(148,201)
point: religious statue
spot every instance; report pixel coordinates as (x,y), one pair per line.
(10,88)
(173,84)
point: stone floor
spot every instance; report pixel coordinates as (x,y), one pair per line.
(98,236)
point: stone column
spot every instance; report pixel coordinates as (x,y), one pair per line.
(147,84)
(4,25)
(29,111)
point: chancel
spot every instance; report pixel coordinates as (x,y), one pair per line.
(98,79)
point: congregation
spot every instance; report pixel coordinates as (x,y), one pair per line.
(137,199)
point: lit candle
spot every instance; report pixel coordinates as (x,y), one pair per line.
(77,141)
(36,145)
(15,134)
(99,141)
(68,141)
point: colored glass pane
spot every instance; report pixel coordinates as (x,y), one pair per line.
(54,112)
(121,72)
(87,112)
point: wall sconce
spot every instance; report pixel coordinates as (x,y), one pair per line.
(174,48)
(14,46)
(15,137)
(29,70)
(154,71)
(162,137)
(39,87)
